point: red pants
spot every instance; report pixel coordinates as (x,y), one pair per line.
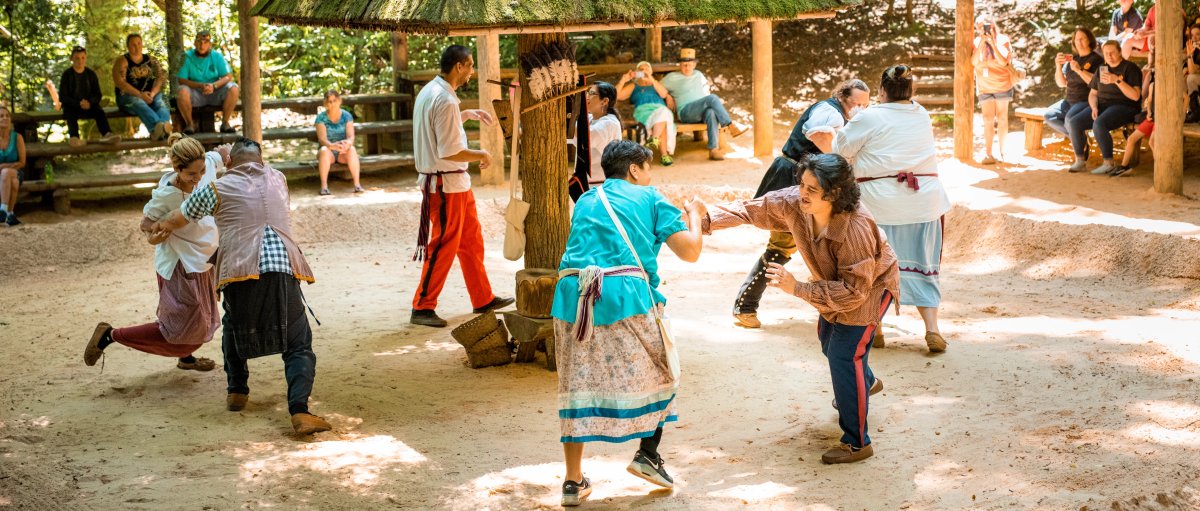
(149,338)
(455,233)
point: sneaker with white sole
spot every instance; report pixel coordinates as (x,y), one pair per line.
(1079,166)
(573,493)
(654,471)
(1104,168)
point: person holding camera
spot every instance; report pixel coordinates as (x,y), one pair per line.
(1116,91)
(653,107)
(994,81)
(1073,72)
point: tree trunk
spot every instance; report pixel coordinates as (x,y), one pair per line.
(1169,87)
(908,12)
(891,11)
(544,169)
(251,84)
(174,16)
(653,44)
(964,80)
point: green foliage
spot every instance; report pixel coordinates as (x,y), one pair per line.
(34,57)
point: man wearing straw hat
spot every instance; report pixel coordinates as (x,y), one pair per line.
(447,203)
(695,104)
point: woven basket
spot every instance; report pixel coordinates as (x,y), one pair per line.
(485,339)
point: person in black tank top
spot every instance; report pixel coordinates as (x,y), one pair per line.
(813,134)
(139,79)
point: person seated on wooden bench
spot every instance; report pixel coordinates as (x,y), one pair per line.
(1127,21)
(653,107)
(1073,72)
(695,104)
(1145,128)
(1115,96)
(1193,74)
(12,161)
(79,92)
(139,80)
(205,80)
(335,134)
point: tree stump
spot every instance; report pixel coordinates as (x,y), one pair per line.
(535,292)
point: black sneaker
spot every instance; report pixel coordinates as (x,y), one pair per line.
(575,493)
(427,318)
(12,219)
(496,303)
(651,470)
(189,130)
(226,128)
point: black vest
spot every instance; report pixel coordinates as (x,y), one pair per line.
(797,144)
(139,76)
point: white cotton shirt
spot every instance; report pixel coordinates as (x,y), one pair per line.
(824,118)
(887,139)
(193,244)
(601,132)
(437,133)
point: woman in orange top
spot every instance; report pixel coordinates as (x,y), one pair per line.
(993,81)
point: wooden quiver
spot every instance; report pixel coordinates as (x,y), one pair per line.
(486,340)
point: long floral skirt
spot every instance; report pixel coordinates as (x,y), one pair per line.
(615,386)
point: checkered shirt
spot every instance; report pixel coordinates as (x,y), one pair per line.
(272,256)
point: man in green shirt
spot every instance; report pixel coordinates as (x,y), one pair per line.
(205,80)
(695,104)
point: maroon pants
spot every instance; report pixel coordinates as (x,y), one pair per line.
(149,338)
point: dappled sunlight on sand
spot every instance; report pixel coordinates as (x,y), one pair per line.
(429,346)
(754,492)
(540,485)
(353,462)
(941,475)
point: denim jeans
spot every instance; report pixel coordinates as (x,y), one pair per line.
(1110,118)
(710,111)
(151,114)
(299,361)
(848,347)
(1056,117)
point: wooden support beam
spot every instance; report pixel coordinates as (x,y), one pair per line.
(174,18)
(622,25)
(764,107)
(491,138)
(964,80)
(251,82)
(1169,87)
(654,44)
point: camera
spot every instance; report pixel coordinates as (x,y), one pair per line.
(639,74)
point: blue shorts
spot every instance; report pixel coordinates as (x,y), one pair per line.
(992,96)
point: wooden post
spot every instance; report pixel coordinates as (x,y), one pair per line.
(1168,88)
(251,85)
(654,44)
(544,169)
(764,108)
(964,80)
(403,85)
(174,16)
(491,138)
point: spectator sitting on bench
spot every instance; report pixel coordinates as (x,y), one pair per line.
(79,92)
(335,134)
(695,104)
(139,81)
(1074,73)
(12,161)
(1145,128)
(205,80)
(1126,22)
(653,106)
(1116,93)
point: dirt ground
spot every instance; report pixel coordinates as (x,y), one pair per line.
(1071,303)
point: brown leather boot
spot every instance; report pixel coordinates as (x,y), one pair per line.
(236,402)
(845,454)
(716,154)
(307,424)
(877,341)
(92,352)
(936,342)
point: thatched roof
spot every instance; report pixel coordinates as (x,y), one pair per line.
(446,16)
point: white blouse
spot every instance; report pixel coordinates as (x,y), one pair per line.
(601,132)
(885,140)
(193,244)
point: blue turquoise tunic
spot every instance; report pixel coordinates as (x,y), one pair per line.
(9,154)
(335,131)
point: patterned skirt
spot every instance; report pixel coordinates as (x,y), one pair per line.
(616,385)
(918,250)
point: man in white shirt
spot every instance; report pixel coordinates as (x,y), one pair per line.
(447,203)
(695,103)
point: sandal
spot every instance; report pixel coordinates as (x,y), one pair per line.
(325,191)
(201,364)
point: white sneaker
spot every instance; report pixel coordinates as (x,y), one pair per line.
(111,138)
(1079,166)
(1107,167)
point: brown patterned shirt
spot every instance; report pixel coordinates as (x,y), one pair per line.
(851,263)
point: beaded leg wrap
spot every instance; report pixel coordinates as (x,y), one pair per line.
(756,282)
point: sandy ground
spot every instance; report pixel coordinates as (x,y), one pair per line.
(1072,307)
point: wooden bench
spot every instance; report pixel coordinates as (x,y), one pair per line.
(1035,122)
(58,192)
(634,130)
